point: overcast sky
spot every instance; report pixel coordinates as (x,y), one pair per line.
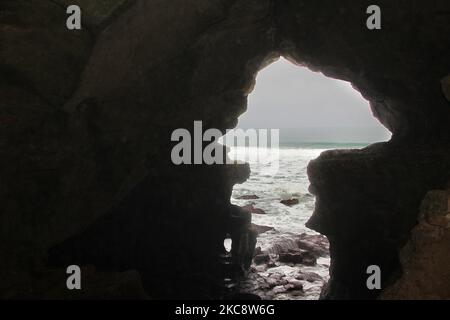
(289,96)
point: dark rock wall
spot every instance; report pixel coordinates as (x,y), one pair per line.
(86,118)
(425,259)
(368,217)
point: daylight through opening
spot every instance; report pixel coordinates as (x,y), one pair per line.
(313,113)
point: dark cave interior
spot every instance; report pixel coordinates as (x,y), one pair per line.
(85,143)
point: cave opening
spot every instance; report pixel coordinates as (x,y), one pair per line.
(312,113)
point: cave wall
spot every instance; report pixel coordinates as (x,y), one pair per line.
(87,116)
(424,258)
(369,217)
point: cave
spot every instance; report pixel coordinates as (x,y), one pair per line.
(87,117)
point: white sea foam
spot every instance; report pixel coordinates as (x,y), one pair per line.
(291,181)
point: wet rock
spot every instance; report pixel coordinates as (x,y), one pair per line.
(252,209)
(296,284)
(425,260)
(290,202)
(445,83)
(261,229)
(258,211)
(284,282)
(290,257)
(261,258)
(279,289)
(283,245)
(260,268)
(272,282)
(243,238)
(309,276)
(309,259)
(305,258)
(275,275)
(296,293)
(318,245)
(248,197)
(288,287)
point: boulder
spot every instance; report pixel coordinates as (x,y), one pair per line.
(258,211)
(261,229)
(251,209)
(261,258)
(318,245)
(290,202)
(308,276)
(248,197)
(299,257)
(288,257)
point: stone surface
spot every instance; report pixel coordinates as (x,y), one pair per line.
(248,197)
(316,244)
(305,258)
(261,229)
(373,220)
(424,259)
(308,276)
(261,258)
(252,209)
(86,119)
(445,84)
(290,202)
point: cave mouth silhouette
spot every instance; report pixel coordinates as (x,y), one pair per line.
(85,142)
(336,116)
(119,240)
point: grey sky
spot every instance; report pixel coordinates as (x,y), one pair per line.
(289,96)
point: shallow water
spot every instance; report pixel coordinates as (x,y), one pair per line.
(280,174)
(290,181)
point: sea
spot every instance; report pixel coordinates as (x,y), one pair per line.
(284,180)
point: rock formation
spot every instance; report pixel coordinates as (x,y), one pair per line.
(424,259)
(86,118)
(290,202)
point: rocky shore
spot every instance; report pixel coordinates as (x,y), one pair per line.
(293,268)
